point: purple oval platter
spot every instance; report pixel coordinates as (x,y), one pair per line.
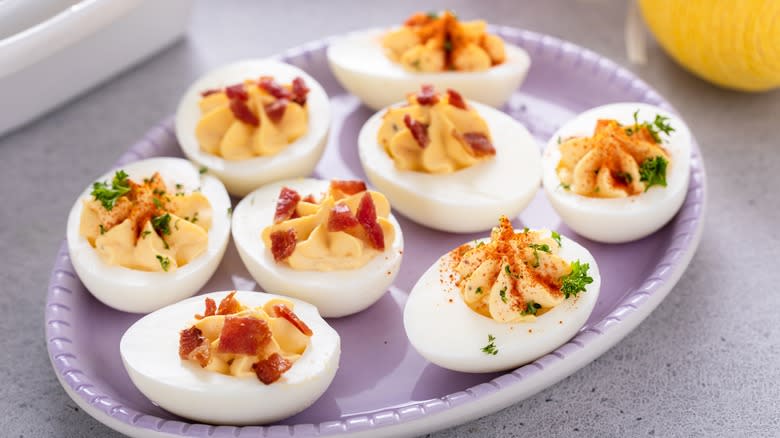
(383,387)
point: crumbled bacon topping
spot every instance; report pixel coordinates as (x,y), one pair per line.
(229,305)
(455,99)
(236,91)
(283,244)
(242,112)
(427,95)
(275,110)
(285,205)
(211,309)
(269,370)
(243,335)
(419,131)
(273,88)
(280,310)
(480,144)
(310,199)
(341,218)
(193,346)
(366,216)
(347,187)
(299,91)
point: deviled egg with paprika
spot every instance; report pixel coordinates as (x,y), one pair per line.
(149,233)
(254,122)
(448,163)
(381,65)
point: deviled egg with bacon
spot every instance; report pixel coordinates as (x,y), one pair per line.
(618,172)
(334,244)
(500,302)
(254,122)
(232,357)
(149,233)
(381,65)
(448,163)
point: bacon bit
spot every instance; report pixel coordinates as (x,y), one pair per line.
(427,95)
(281,310)
(480,144)
(285,205)
(419,131)
(299,91)
(347,187)
(283,244)
(211,309)
(210,91)
(242,335)
(271,87)
(341,218)
(366,215)
(242,112)
(193,346)
(275,110)
(269,370)
(229,305)
(236,91)
(455,99)
(310,199)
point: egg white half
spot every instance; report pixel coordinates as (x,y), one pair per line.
(618,220)
(470,199)
(240,177)
(137,291)
(445,331)
(359,62)
(150,354)
(335,293)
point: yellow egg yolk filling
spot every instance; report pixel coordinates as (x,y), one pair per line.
(616,161)
(435,133)
(430,42)
(236,340)
(514,277)
(246,120)
(318,247)
(145,226)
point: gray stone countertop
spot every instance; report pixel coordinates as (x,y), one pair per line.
(704,363)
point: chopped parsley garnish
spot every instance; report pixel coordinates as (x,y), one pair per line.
(165,262)
(102,230)
(509,272)
(176,224)
(162,224)
(179,186)
(157,203)
(108,195)
(565,186)
(659,125)
(653,172)
(230,211)
(557,238)
(203,169)
(194,217)
(625,177)
(480,244)
(531,308)
(158,192)
(432,15)
(490,348)
(145,233)
(479,290)
(539,247)
(575,281)
(502,293)
(525,230)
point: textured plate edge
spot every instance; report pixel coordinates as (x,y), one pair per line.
(450,410)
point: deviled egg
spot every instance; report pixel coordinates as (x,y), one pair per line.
(331,243)
(253,358)
(381,65)
(618,172)
(448,163)
(498,303)
(149,233)
(254,122)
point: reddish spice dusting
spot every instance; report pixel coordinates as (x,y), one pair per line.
(341,218)
(281,310)
(299,91)
(236,91)
(242,335)
(242,112)
(366,215)
(275,110)
(310,199)
(285,204)
(229,305)
(427,95)
(455,99)
(269,370)
(209,92)
(273,88)
(211,309)
(480,144)
(347,187)
(283,244)
(419,131)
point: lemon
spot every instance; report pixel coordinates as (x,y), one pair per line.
(732,43)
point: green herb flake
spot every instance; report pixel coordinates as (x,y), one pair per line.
(479,290)
(230,211)
(416,64)
(653,172)
(625,177)
(531,308)
(502,293)
(509,272)
(490,348)
(659,125)
(576,280)
(557,238)
(145,233)
(179,186)
(540,247)
(565,186)
(165,262)
(203,169)
(433,15)
(162,224)
(157,203)
(108,195)
(102,229)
